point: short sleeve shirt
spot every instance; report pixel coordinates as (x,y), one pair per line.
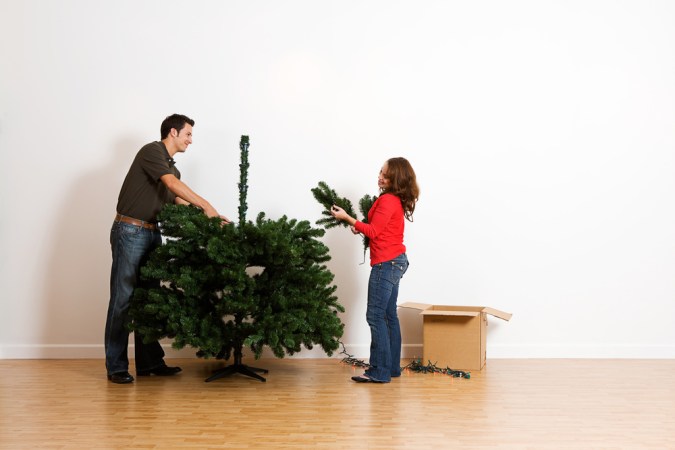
(143,194)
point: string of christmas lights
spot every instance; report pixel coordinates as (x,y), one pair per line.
(415,366)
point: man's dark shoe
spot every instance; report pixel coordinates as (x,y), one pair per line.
(161,371)
(121,378)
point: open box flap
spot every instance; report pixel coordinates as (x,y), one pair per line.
(448,310)
(497,313)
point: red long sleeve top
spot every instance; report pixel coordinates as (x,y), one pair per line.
(384,228)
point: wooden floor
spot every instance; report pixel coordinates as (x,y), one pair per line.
(313,404)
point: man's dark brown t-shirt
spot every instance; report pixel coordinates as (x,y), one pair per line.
(143,194)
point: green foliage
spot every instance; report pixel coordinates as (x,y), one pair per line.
(328,197)
(365,204)
(243,178)
(220,287)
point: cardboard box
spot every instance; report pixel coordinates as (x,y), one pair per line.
(455,336)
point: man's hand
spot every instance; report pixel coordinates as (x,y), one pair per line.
(186,196)
(210,211)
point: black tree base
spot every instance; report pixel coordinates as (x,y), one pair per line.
(237,368)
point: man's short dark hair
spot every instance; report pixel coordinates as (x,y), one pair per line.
(176,121)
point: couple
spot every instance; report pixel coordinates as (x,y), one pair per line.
(154,181)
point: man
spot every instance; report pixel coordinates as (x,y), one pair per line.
(152,181)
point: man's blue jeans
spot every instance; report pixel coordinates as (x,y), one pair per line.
(385,331)
(131,246)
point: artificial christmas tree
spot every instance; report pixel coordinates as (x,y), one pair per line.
(221,288)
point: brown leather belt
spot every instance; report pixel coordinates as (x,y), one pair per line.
(138,223)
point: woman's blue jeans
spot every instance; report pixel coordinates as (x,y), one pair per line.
(131,245)
(385,331)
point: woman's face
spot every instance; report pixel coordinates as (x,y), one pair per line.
(382,180)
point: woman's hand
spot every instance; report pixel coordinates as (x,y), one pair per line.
(340,214)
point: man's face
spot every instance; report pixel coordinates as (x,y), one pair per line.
(183,138)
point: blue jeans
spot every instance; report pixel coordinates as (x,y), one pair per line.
(131,246)
(385,331)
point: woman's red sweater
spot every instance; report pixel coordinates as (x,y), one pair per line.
(384,228)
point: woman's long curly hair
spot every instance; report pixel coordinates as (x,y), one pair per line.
(403,184)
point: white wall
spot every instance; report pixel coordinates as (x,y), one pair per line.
(542,133)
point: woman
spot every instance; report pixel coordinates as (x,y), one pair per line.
(388,261)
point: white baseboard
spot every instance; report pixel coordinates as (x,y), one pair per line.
(580,351)
(56,351)
(361,351)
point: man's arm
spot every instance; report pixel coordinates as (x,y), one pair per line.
(188,196)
